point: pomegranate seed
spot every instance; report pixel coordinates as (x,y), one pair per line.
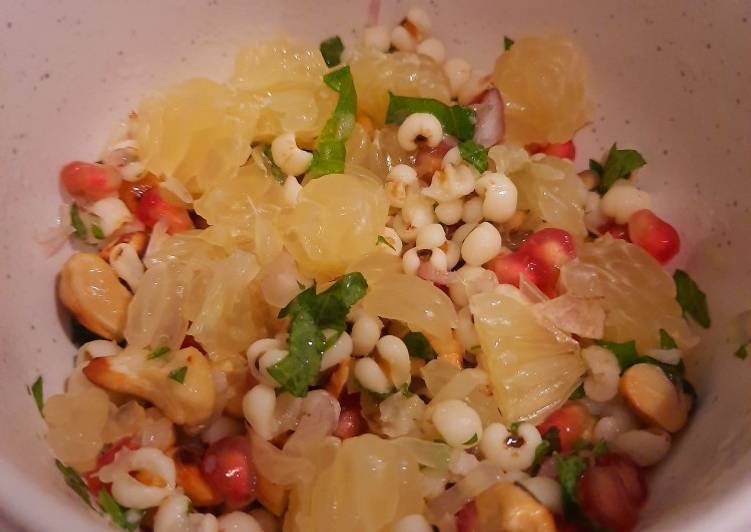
(351,422)
(466,518)
(228,468)
(654,235)
(563,150)
(572,420)
(89,181)
(107,457)
(152,207)
(615,230)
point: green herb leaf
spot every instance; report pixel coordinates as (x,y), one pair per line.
(551,442)
(471,441)
(382,240)
(332,305)
(569,469)
(271,166)
(406,392)
(116,512)
(508,42)
(581,444)
(691,299)
(330,152)
(474,154)
(74,481)
(456,120)
(666,341)
(418,346)
(97,232)
(625,352)
(36,391)
(600,448)
(178,375)
(331,340)
(331,50)
(79,229)
(596,167)
(741,352)
(158,352)
(577,394)
(514,427)
(619,165)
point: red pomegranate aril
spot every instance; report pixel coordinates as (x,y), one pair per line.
(466,518)
(612,491)
(615,230)
(563,150)
(551,247)
(654,235)
(572,420)
(351,423)
(89,181)
(428,160)
(152,207)
(105,458)
(228,467)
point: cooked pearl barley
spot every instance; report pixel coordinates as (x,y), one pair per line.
(127,264)
(501,197)
(418,213)
(220,428)
(457,71)
(607,428)
(403,173)
(432,482)
(412,523)
(419,125)
(254,353)
(340,351)
(438,260)
(601,382)
(430,236)
(493,446)
(173,516)
(472,212)
(287,156)
(465,331)
(453,254)
(392,237)
(292,189)
(462,463)
(457,422)
(594,219)
(365,333)
(432,48)
(370,375)
(462,232)
(453,156)
(449,212)
(482,244)
(402,39)
(268,359)
(394,352)
(238,522)
(377,37)
(268,522)
(127,490)
(453,182)
(624,199)
(645,447)
(408,233)
(259,404)
(420,19)
(546,490)
(112,213)
(410,262)
(396,193)
(99,348)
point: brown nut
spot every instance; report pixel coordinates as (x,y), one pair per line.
(190,402)
(131,191)
(238,385)
(138,240)
(338,378)
(190,478)
(655,399)
(90,289)
(509,508)
(449,350)
(273,496)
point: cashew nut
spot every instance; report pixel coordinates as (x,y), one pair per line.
(92,292)
(189,402)
(510,508)
(649,392)
(287,156)
(190,478)
(417,126)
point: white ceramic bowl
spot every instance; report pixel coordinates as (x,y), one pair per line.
(670,78)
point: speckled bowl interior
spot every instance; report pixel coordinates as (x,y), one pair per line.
(670,78)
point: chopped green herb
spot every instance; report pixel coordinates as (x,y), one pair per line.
(330,152)
(691,299)
(474,154)
(551,442)
(577,394)
(618,165)
(419,346)
(36,390)
(331,340)
(508,42)
(406,392)
(666,341)
(178,375)
(569,469)
(382,240)
(79,229)
(625,352)
(456,120)
(74,481)
(600,448)
(97,232)
(596,167)
(741,352)
(514,427)
(312,313)
(471,441)
(271,166)
(580,444)
(158,352)
(331,50)
(116,512)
